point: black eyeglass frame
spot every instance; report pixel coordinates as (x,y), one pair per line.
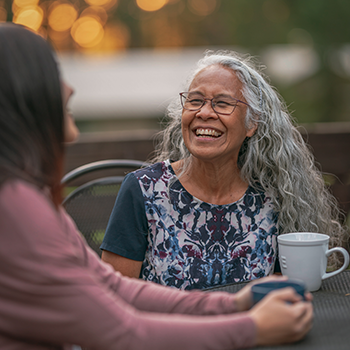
(182,95)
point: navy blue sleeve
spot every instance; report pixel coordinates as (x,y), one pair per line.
(127,229)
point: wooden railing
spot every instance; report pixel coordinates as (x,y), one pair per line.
(330,144)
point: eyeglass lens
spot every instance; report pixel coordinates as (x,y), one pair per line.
(195,101)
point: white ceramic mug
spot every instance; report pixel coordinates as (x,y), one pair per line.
(303,255)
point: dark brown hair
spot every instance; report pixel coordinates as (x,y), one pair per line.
(31,111)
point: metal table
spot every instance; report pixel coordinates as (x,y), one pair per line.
(331,329)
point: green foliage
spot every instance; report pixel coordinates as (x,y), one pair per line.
(253,25)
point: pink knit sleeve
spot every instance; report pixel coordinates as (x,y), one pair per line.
(55,290)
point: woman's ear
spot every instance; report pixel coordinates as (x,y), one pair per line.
(252,129)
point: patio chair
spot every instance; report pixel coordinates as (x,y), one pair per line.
(90,203)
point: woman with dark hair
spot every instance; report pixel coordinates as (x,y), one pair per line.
(54,290)
(30,88)
(230,174)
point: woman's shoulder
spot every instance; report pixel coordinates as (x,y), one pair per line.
(24,198)
(155,171)
(29,211)
(25,206)
(19,191)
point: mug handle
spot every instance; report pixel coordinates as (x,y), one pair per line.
(345,265)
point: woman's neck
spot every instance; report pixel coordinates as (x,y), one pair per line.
(210,182)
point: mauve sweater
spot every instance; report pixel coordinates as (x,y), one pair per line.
(55,292)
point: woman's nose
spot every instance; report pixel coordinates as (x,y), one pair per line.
(207,111)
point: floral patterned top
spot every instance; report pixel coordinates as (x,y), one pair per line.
(185,242)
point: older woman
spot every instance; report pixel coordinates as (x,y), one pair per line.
(231,173)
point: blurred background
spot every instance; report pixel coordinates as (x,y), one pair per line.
(128,58)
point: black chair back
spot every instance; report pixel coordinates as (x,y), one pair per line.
(90,204)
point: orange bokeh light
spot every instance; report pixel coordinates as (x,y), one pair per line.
(19,5)
(31,17)
(104,3)
(87,31)
(151,5)
(97,12)
(25,3)
(62,17)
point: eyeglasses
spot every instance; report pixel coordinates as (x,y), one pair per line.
(193,101)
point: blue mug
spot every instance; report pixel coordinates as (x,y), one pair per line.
(260,290)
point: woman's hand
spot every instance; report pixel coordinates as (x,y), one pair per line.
(282,317)
(244,298)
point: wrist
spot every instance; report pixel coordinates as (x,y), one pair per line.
(243,300)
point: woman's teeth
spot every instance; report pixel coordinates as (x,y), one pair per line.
(208,132)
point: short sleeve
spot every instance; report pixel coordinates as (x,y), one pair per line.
(127,229)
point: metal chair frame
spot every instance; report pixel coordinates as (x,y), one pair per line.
(110,180)
(89,231)
(102,165)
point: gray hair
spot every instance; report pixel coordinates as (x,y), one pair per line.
(276,156)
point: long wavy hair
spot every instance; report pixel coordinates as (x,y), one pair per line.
(31,111)
(275,157)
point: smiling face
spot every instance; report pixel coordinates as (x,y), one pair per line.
(214,137)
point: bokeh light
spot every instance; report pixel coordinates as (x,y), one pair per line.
(151,5)
(104,3)
(19,4)
(202,7)
(29,16)
(96,12)
(116,37)
(24,3)
(87,31)
(62,16)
